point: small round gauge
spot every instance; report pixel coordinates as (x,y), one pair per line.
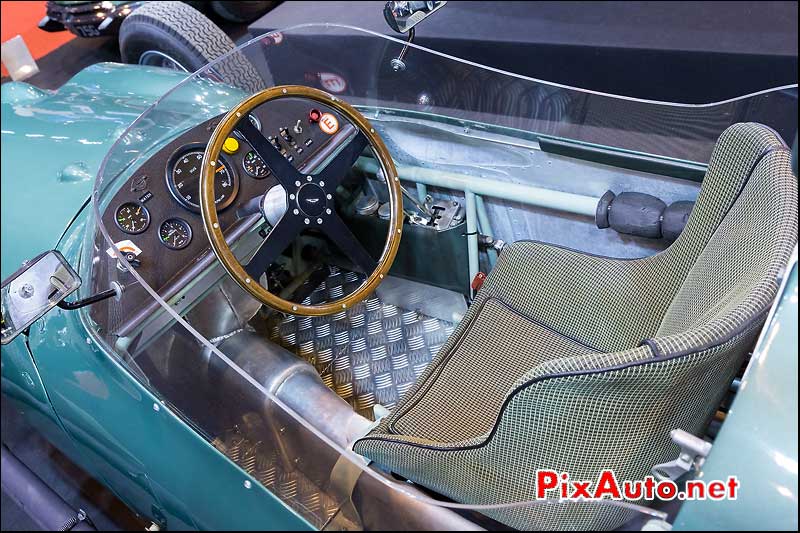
(254,165)
(175,233)
(132,218)
(183,180)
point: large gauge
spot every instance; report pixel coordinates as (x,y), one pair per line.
(183,179)
(132,217)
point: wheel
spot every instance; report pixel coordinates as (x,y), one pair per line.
(241,11)
(177,36)
(172,35)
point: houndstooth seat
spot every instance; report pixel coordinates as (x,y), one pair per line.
(576,363)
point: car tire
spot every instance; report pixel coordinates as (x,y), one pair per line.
(183,38)
(242,12)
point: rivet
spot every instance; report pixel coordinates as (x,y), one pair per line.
(213,163)
(321,183)
(319,221)
(371,130)
(381,276)
(291,196)
(297,183)
(216,225)
(309,178)
(156,407)
(247,280)
(328,196)
(328,211)
(306,221)
(238,114)
(396,178)
(283,91)
(398,230)
(344,306)
(296,211)
(247,483)
(294,308)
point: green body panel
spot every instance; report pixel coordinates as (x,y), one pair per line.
(23,388)
(133,443)
(758,441)
(77,395)
(55,142)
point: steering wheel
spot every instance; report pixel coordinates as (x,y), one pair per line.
(310,201)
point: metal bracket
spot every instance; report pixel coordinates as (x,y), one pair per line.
(445,214)
(398,64)
(693,451)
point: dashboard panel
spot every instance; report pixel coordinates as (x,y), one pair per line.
(155,217)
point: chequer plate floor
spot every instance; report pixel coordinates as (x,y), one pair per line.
(370,354)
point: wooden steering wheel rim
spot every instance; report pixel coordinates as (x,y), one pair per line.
(213,230)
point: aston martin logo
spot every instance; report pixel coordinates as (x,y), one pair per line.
(312,200)
(139,183)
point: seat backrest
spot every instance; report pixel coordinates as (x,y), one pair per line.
(735,277)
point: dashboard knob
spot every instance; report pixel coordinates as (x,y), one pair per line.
(230,146)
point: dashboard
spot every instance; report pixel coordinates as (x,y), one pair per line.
(154,217)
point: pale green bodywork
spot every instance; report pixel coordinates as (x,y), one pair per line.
(79,397)
(56,141)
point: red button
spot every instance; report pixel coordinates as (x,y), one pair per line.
(314,115)
(477,281)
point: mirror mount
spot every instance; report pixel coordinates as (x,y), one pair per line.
(41,284)
(33,290)
(398,64)
(114,292)
(402,16)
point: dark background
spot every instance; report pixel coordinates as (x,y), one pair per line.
(690,52)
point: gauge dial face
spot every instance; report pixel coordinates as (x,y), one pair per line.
(175,233)
(183,179)
(254,165)
(132,218)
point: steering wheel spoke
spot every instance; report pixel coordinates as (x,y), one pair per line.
(337,169)
(340,234)
(278,239)
(282,169)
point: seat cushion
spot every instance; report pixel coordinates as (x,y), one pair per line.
(462,395)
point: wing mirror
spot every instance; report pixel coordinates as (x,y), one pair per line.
(28,294)
(403,16)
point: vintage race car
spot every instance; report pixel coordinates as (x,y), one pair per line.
(307,287)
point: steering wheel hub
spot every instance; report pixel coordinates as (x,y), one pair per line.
(311,199)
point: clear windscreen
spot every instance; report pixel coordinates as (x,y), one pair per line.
(263,387)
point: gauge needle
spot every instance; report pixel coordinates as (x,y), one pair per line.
(220,169)
(139,210)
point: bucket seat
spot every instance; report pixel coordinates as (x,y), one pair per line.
(575,363)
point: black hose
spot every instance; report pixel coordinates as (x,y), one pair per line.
(40,502)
